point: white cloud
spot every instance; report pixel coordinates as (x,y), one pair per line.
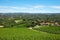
(32,9)
(56,7)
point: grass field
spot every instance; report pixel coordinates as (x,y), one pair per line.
(26,34)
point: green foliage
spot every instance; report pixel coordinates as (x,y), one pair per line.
(49,29)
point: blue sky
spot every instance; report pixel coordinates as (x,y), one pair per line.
(30,6)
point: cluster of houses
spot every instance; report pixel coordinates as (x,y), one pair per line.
(50,23)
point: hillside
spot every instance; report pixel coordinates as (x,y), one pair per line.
(25,34)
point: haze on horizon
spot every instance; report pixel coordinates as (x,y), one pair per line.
(30,6)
